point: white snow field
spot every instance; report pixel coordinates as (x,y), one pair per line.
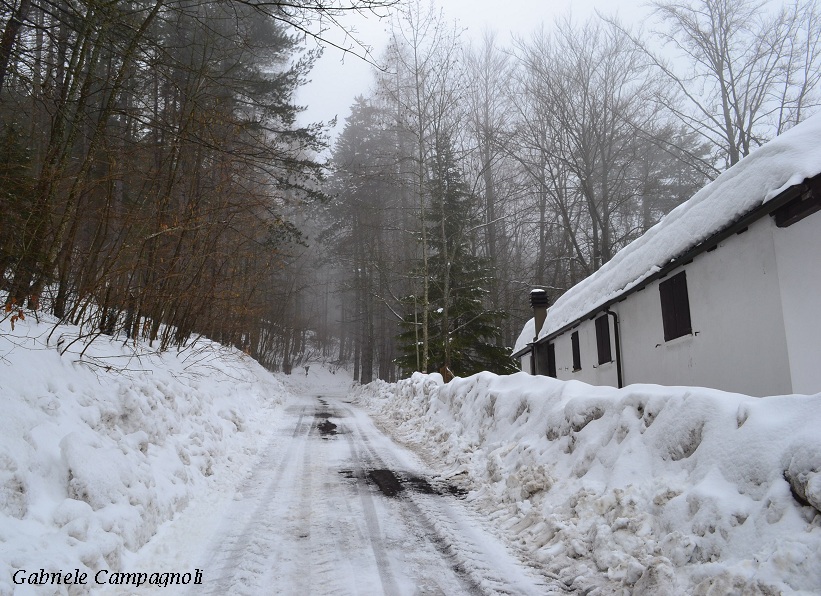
(197,472)
(199,466)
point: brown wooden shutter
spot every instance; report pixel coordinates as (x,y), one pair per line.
(551,359)
(577,358)
(675,307)
(603,339)
(683,325)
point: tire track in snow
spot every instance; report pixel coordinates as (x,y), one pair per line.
(374,460)
(372,522)
(301,576)
(454,536)
(340,546)
(242,559)
(347,548)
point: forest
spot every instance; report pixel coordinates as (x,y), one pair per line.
(155,182)
(475,170)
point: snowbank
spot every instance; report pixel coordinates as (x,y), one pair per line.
(101,445)
(643,490)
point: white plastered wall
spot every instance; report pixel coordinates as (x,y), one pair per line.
(738,341)
(798,254)
(591,372)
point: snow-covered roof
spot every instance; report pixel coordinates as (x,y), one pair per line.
(785,161)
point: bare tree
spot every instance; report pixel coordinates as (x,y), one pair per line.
(155,174)
(588,91)
(424,89)
(742,72)
(489,70)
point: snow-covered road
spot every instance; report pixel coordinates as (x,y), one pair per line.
(334,506)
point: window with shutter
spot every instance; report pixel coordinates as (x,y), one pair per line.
(551,360)
(675,307)
(577,358)
(603,339)
(542,351)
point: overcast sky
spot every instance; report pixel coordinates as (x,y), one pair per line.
(337,79)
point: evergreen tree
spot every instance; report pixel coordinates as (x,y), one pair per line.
(462,331)
(364,231)
(16,187)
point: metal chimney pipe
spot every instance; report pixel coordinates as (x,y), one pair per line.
(539,302)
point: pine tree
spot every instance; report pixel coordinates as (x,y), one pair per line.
(366,239)
(16,188)
(462,332)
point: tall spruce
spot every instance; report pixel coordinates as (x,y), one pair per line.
(462,331)
(362,224)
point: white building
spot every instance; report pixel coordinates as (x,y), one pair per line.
(724,292)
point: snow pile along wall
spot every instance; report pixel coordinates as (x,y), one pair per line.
(98,450)
(653,490)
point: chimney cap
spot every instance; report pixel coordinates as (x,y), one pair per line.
(539,299)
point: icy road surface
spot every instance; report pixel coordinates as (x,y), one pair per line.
(334,506)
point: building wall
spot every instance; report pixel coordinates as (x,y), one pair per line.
(798,254)
(738,341)
(525,362)
(591,372)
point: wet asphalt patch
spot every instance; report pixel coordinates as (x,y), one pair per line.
(326,428)
(391,483)
(387,482)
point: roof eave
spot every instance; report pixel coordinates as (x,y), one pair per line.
(740,224)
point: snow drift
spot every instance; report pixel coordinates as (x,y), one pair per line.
(102,444)
(643,490)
